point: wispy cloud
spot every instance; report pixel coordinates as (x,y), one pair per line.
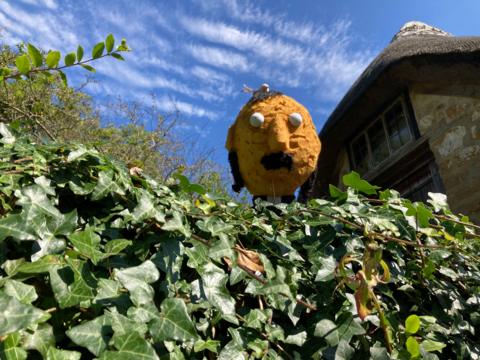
(50,31)
(218,57)
(171,104)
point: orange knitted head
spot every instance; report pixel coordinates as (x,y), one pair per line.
(275,145)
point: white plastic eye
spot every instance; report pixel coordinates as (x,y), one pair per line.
(256,119)
(295,119)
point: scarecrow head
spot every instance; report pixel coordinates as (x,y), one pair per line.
(273,145)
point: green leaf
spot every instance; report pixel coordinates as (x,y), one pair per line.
(327,271)
(137,279)
(210,345)
(7,137)
(63,77)
(109,42)
(413,347)
(105,186)
(213,286)
(344,351)
(70,59)
(296,339)
(35,55)
(354,180)
(430,345)
(87,243)
(329,330)
(88,67)
(174,323)
(42,265)
(79,53)
(24,293)
(14,225)
(130,346)
(117,56)
(412,324)
(10,350)
(114,247)
(41,339)
(17,316)
(53,57)
(98,50)
(93,335)
(23,64)
(56,354)
(69,283)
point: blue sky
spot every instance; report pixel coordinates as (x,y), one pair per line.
(196,55)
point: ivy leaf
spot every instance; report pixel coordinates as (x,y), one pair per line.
(136,279)
(98,50)
(35,55)
(213,286)
(17,316)
(56,354)
(430,345)
(344,351)
(23,64)
(109,42)
(209,344)
(41,339)
(174,323)
(130,346)
(105,186)
(329,330)
(87,243)
(24,293)
(114,247)
(94,334)
(79,53)
(53,57)
(10,349)
(69,59)
(354,180)
(14,226)
(69,284)
(7,137)
(412,324)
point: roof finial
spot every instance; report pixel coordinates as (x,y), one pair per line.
(418,28)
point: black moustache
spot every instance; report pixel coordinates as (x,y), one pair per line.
(277,161)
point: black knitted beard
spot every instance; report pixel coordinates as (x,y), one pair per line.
(276,161)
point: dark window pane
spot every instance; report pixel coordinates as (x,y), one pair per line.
(360,154)
(397,126)
(378,142)
(417,185)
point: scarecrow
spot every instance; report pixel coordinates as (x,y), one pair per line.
(273,147)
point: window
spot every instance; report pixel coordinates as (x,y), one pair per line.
(389,133)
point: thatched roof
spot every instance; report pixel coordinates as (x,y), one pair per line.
(418,54)
(414,42)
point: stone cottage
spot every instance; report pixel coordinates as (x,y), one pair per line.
(411,121)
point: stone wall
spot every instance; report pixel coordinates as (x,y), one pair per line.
(449,116)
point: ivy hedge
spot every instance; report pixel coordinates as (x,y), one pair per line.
(101,261)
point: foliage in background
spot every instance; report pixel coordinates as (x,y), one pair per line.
(97,262)
(35,98)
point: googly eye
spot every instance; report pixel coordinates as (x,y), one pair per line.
(295,119)
(256,119)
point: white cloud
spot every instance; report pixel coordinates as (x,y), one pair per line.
(49,30)
(218,57)
(51,4)
(168,104)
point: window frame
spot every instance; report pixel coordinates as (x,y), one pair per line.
(412,131)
